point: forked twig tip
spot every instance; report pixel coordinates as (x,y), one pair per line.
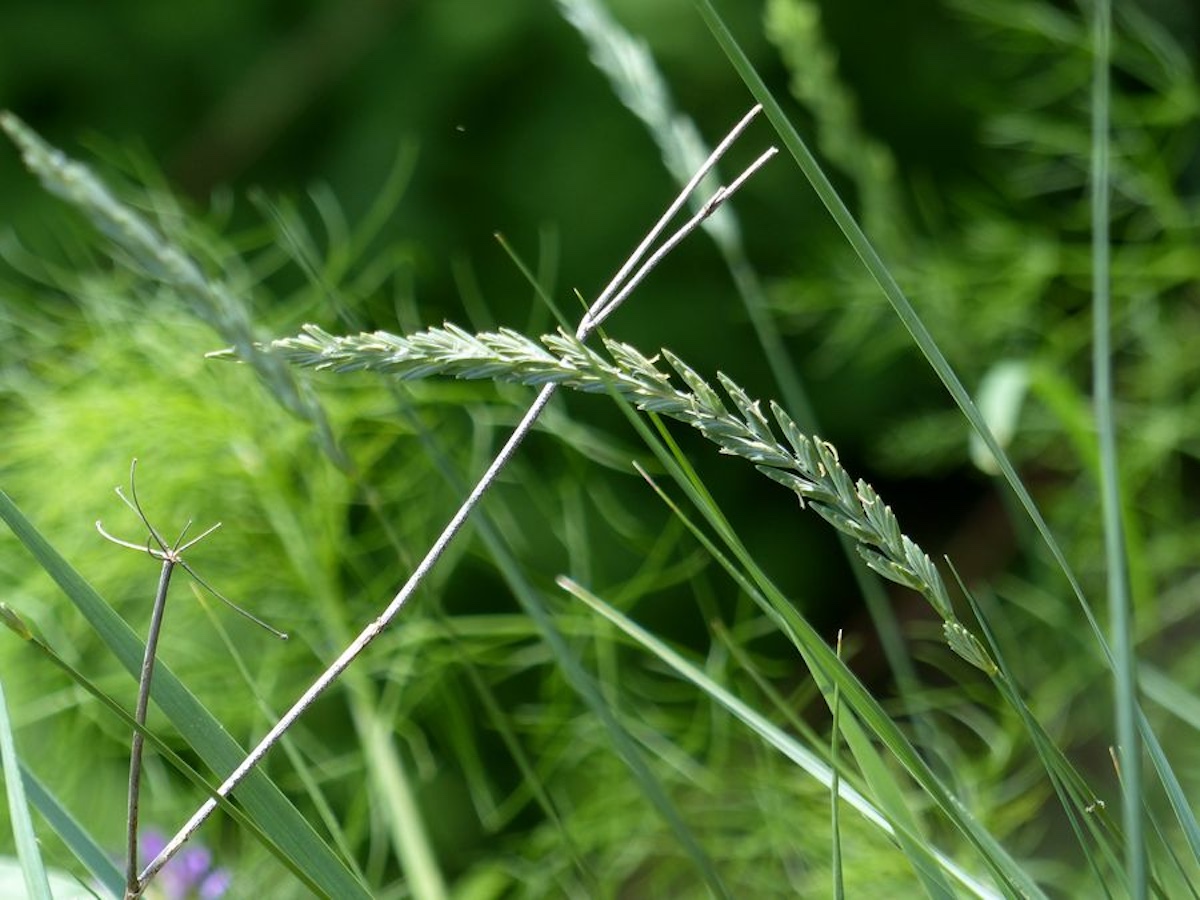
(244,613)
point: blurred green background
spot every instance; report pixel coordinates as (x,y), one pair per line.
(511,130)
(500,123)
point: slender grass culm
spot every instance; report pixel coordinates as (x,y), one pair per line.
(807,466)
(171,556)
(75,183)
(1121,623)
(630,275)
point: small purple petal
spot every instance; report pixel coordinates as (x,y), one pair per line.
(193,864)
(215,884)
(173,884)
(151,843)
(189,875)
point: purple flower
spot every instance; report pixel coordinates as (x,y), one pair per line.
(190,875)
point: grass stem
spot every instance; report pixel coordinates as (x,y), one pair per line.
(617,290)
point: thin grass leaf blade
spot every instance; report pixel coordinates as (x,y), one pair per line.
(37,887)
(818,657)
(533,605)
(895,806)
(770,734)
(623,743)
(1073,793)
(1120,606)
(259,795)
(86,848)
(839,889)
(891,290)
(1180,804)
(924,341)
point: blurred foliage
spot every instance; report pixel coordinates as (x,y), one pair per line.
(960,130)
(1000,270)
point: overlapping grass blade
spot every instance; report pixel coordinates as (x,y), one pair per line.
(775,737)
(135,239)
(835,805)
(89,851)
(1084,811)
(891,290)
(262,799)
(86,849)
(37,887)
(925,342)
(1120,612)
(828,670)
(533,604)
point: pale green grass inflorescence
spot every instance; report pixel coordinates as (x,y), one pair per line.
(807,465)
(145,249)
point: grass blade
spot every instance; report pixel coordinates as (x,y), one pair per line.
(259,796)
(891,290)
(583,683)
(772,735)
(1074,795)
(887,792)
(924,341)
(37,887)
(86,849)
(828,670)
(839,890)
(641,87)
(1120,612)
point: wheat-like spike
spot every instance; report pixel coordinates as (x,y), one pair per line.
(967,646)
(639,84)
(139,243)
(708,399)
(890,569)
(806,465)
(751,410)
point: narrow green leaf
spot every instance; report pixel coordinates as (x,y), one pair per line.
(817,656)
(581,681)
(891,290)
(885,788)
(167,753)
(839,888)
(1120,606)
(258,794)
(85,848)
(36,885)
(1084,811)
(938,362)
(771,734)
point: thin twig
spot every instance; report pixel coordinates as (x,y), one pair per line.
(607,302)
(596,317)
(601,304)
(170,556)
